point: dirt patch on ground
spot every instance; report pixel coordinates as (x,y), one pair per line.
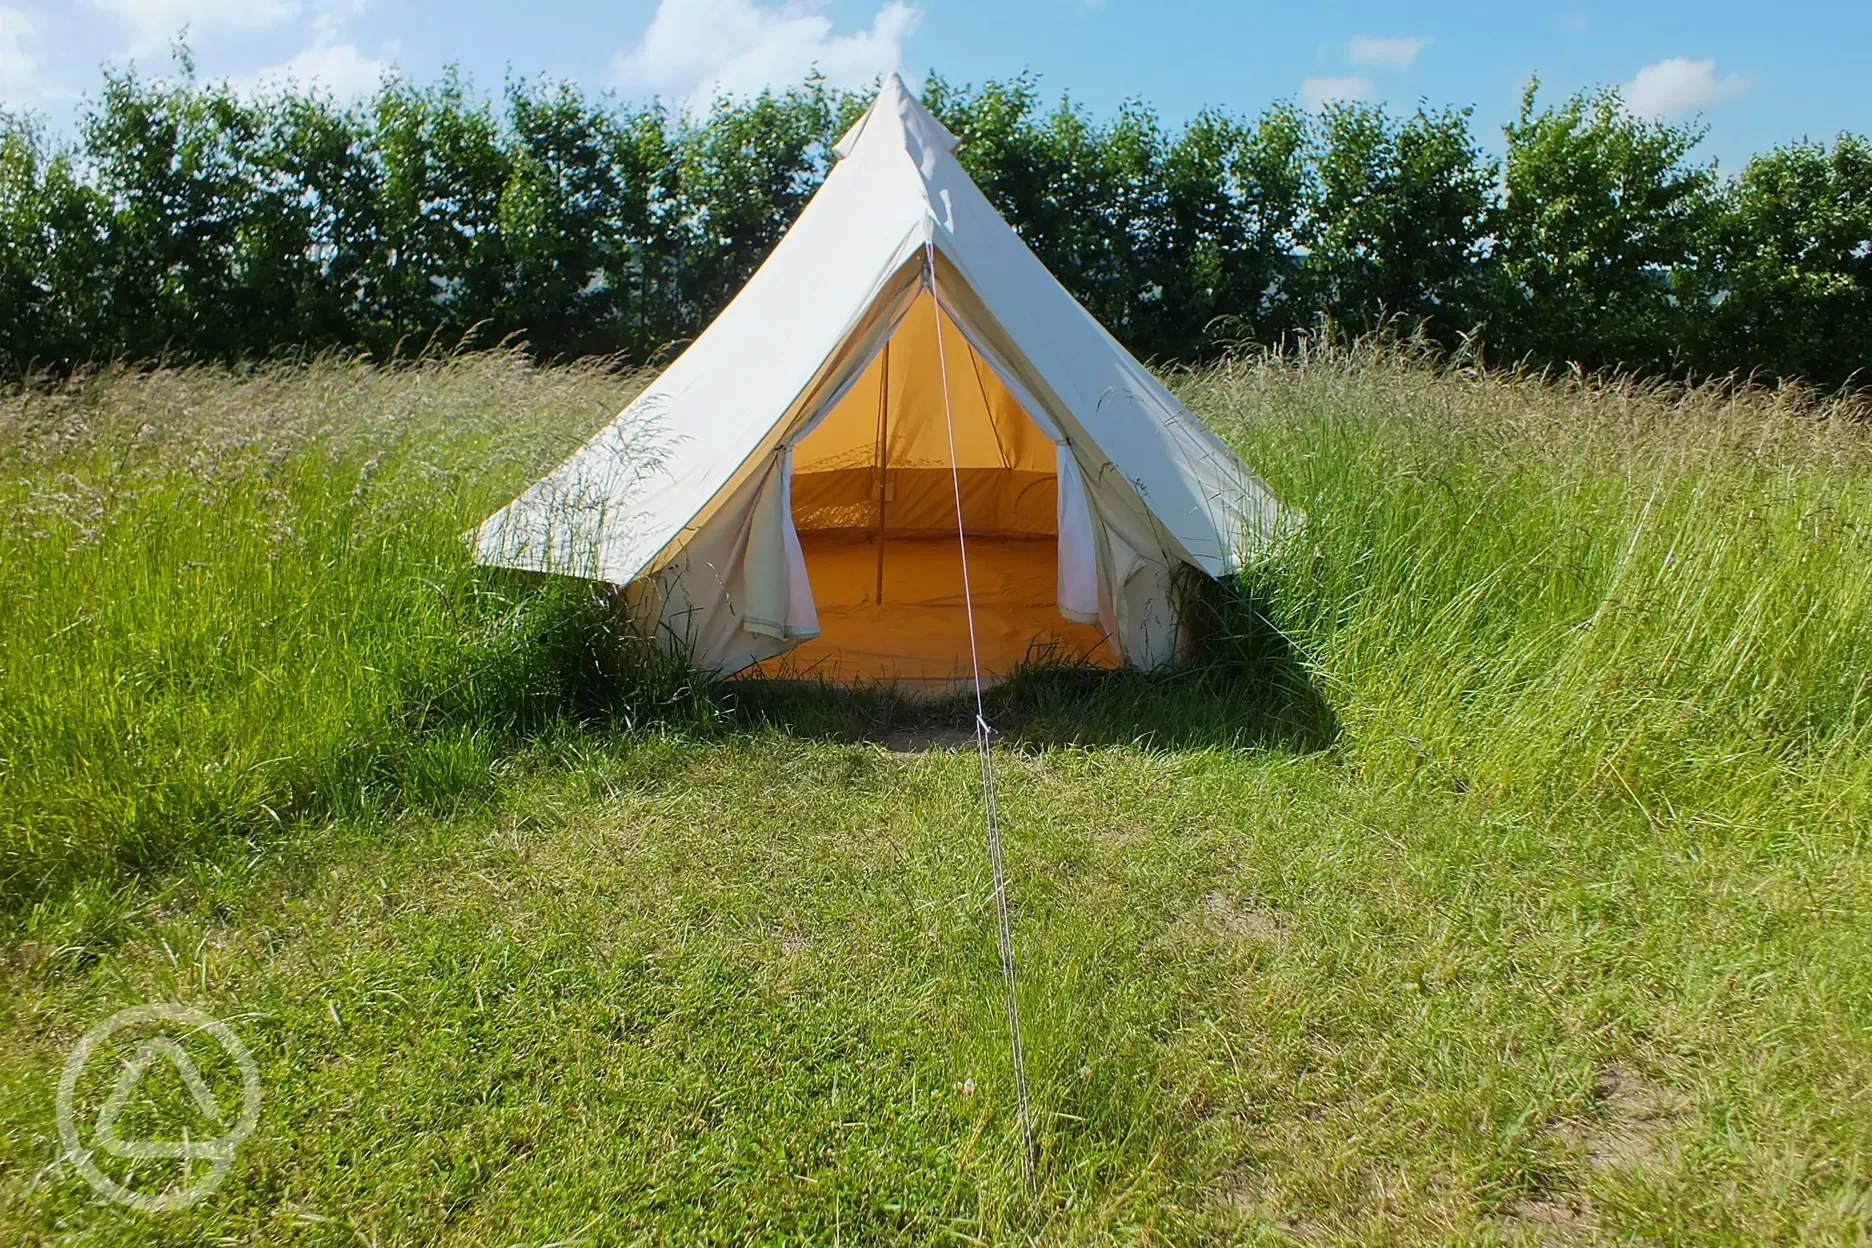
(27,956)
(1224,914)
(1563,1219)
(1243,1196)
(924,740)
(1635,1115)
(792,944)
(1632,1117)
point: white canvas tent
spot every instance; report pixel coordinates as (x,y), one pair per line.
(786,496)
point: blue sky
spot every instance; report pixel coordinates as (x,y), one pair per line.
(1755,74)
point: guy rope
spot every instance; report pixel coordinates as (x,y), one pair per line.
(1004,932)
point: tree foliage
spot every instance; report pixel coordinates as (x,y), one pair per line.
(1604,232)
(188,220)
(1400,220)
(1795,240)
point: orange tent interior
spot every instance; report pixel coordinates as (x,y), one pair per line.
(874,500)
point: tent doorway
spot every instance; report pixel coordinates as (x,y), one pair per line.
(874,501)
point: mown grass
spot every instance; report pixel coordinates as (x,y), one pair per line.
(1530,908)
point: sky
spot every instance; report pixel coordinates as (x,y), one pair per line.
(1753,74)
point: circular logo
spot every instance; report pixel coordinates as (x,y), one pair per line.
(218,1153)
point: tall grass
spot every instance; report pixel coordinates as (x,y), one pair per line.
(1579,591)
(230,601)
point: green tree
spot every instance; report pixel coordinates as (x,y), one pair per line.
(1080,195)
(1795,239)
(310,229)
(176,165)
(1602,237)
(580,221)
(1236,207)
(1178,244)
(1023,167)
(53,297)
(1400,233)
(194,221)
(439,271)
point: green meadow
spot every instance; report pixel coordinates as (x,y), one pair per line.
(1500,872)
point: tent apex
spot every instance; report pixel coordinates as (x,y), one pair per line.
(897,109)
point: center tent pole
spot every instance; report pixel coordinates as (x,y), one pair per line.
(883,465)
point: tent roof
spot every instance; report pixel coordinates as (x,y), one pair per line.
(633,493)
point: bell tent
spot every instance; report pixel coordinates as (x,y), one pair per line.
(902,451)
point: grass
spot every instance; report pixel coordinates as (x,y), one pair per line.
(228,606)
(1531,910)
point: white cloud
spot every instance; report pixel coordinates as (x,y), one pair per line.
(19,63)
(1318,92)
(1398,51)
(1677,86)
(153,23)
(328,21)
(335,67)
(695,49)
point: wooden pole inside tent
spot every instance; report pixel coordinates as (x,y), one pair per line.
(882,485)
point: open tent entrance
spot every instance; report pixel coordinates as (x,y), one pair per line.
(874,500)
